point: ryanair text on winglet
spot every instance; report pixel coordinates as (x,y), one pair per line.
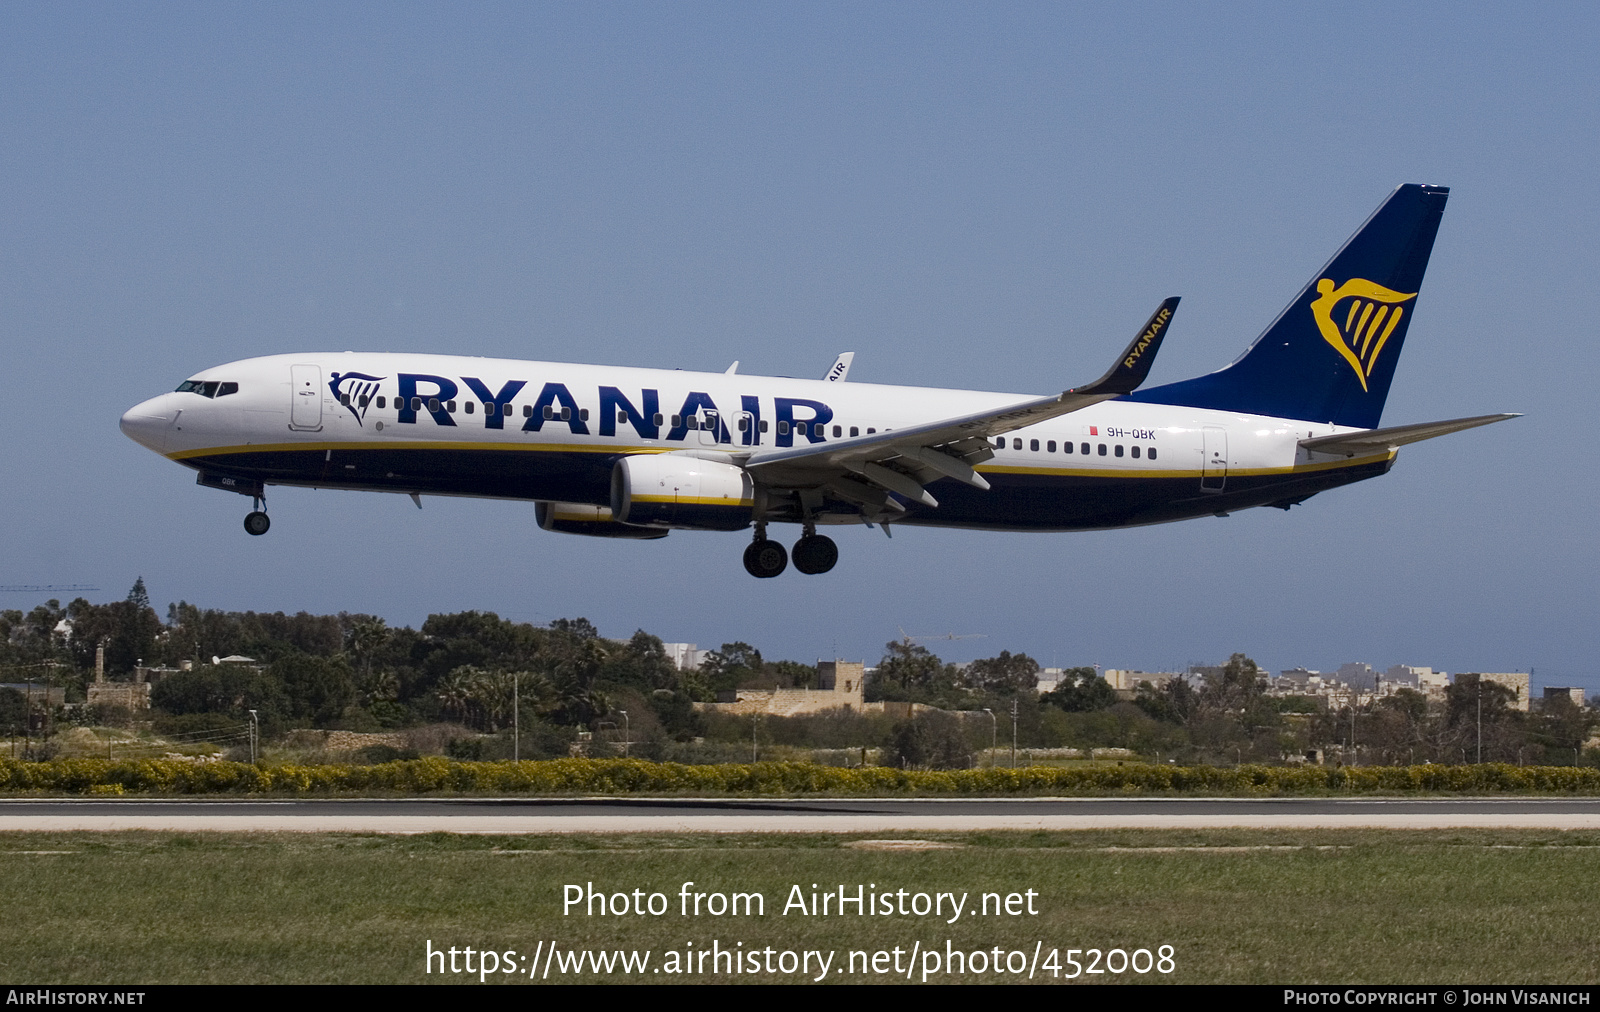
(1148,336)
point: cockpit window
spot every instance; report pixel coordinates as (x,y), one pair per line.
(207,388)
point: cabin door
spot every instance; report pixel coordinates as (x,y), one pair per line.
(305,397)
(1214,472)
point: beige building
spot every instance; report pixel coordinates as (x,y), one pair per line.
(838,688)
(1517,681)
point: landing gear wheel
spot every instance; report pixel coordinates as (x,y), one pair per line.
(256,523)
(765,559)
(815,553)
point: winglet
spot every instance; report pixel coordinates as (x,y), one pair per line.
(840,368)
(1134,365)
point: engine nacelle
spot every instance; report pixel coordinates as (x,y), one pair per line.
(676,490)
(590,521)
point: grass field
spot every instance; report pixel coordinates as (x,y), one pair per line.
(1235,906)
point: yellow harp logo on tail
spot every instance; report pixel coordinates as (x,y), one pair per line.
(1360,330)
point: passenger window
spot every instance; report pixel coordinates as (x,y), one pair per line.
(870,430)
(380,402)
(692,422)
(566,414)
(763,425)
(549,412)
(744,424)
(583,414)
(837,432)
(365,401)
(1152,453)
(855,431)
(468,408)
(527,411)
(1000,444)
(1066,447)
(1119,449)
(622,418)
(344,399)
(1033,445)
(1135,452)
(1083,448)
(799,428)
(657,419)
(416,404)
(433,404)
(1050,446)
(450,406)
(783,428)
(1016,444)
(1102,449)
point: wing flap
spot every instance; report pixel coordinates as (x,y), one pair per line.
(950,447)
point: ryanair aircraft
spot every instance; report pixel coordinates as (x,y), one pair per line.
(636,453)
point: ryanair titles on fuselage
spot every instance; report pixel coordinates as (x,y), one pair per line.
(429,394)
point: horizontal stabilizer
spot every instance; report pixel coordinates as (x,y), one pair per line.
(1352,444)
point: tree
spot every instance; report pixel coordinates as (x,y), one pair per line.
(731,666)
(910,667)
(1081,690)
(930,740)
(319,688)
(1005,674)
(368,637)
(642,663)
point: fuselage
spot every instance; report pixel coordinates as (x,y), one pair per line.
(546,431)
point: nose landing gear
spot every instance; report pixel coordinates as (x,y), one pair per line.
(256,522)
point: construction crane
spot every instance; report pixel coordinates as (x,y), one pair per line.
(908,639)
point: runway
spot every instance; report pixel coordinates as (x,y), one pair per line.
(724,815)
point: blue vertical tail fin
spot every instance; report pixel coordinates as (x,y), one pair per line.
(1330,356)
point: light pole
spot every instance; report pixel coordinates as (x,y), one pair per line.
(1013,732)
(1480,720)
(516,716)
(994,735)
(255,725)
(627,732)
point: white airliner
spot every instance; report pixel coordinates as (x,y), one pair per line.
(635,453)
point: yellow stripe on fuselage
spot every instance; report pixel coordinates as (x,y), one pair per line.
(681,500)
(217,451)
(1232,472)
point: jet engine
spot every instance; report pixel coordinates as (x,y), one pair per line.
(591,521)
(677,490)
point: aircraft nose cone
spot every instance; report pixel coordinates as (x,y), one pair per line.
(148,424)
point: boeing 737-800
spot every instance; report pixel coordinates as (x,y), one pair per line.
(636,453)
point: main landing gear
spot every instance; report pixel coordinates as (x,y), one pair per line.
(256,522)
(765,558)
(814,553)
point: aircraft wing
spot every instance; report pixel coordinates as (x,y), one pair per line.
(1380,440)
(903,460)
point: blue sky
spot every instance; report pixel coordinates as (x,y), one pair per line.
(977,196)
